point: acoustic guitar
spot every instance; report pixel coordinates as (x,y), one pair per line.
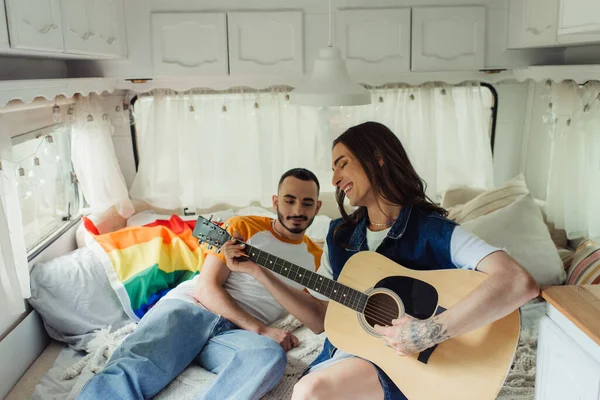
(372,290)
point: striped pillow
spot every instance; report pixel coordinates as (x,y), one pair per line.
(491,200)
(585,267)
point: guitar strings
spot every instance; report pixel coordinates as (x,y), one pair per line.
(374,312)
(384,311)
(379,319)
(378,313)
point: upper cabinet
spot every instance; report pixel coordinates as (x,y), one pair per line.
(4,43)
(540,23)
(579,17)
(448,38)
(374,41)
(266,43)
(65,28)
(532,23)
(94,27)
(35,25)
(189,44)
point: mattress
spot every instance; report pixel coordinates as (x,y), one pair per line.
(43,380)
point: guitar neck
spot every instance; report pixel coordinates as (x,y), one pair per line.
(327,287)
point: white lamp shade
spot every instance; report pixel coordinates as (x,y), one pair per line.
(330,84)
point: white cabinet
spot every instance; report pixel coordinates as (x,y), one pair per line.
(94,27)
(565,369)
(266,42)
(448,38)
(4,44)
(35,25)
(579,17)
(375,41)
(189,44)
(532,23)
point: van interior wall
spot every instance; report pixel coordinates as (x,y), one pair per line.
(17,68)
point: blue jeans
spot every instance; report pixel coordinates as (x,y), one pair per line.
(172,335)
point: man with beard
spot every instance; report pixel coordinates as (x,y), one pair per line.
(221,318)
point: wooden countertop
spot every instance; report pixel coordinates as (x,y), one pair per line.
(580,304)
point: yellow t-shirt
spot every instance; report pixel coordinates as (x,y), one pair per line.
(247,291)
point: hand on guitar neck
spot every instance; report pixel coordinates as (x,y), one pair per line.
(237,260)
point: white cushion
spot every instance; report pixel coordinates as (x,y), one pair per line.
(520,229)
(74,297)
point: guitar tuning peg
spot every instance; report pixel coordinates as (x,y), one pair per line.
(218,251)
(209,247)
(226,226)
(219,220)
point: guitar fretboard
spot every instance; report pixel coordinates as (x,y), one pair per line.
(329,288)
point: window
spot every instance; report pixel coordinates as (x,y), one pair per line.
(44,178)
(202,150)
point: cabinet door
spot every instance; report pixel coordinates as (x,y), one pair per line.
(564,370)
(532,23)
(266,43)
(189,44)
(374,41)
(4,44)
(94,27)
(579,17)
(35,25)
(448,38)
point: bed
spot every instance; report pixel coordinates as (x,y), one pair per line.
(507,217)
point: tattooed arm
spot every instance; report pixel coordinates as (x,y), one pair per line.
(507,288)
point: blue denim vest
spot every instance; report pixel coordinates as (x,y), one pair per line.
(418,240)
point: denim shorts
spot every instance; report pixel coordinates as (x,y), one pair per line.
(390,390)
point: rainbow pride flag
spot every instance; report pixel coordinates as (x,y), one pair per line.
(143,263)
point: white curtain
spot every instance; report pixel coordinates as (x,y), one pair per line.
(14,271)
(199,150)
(94,160)
(573,188)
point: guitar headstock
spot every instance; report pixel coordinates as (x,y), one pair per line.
(206,231)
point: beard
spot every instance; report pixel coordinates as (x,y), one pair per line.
(291,229)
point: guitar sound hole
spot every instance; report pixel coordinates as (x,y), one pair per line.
(381,309)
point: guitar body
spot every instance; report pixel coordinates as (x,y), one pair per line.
(470,366)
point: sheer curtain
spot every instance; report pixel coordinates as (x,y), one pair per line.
(94,160)
(14,271)
(573,188)
(198,150)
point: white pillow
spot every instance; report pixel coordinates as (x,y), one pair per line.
(319,228)
(148,217)
(520,229)
(74,297)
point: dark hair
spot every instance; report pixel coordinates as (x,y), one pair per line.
(300,173)
(396,180)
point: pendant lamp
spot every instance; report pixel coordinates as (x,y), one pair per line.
(330,84)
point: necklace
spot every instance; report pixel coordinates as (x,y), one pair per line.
(391,221)
(275,230)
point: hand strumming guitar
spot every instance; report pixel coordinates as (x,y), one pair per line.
(409,335)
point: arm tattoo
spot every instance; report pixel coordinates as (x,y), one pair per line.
(420,335)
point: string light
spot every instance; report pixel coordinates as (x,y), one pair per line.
(50,153)
(24,188)
(578,118)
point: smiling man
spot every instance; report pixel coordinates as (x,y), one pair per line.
(221,318)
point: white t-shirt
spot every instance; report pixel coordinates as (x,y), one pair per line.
(466,251)
(247,291)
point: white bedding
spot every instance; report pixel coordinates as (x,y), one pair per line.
(519,384)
